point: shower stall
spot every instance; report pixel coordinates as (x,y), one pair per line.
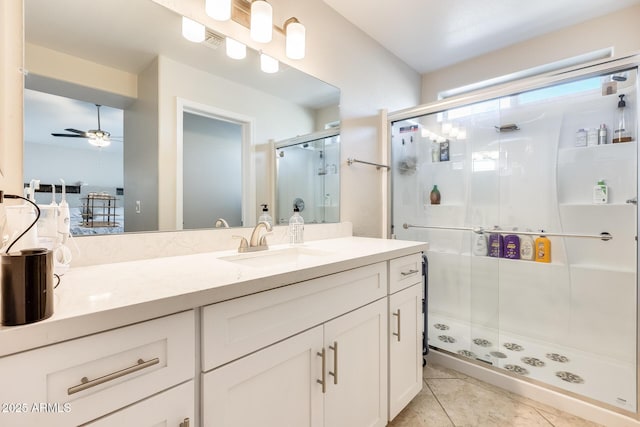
(308,177)
(524,160)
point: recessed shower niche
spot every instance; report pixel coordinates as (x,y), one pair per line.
(517,164)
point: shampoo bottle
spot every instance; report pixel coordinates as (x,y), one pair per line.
(543,248)
(480,245)
(265,215)
(296,227)
(526,248)
(512,246)
(434,196)
(496,245)
(600,193)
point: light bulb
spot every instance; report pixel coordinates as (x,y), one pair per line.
(295,39)
(268,64)
(261,21)
(235,49)
(220,10)
(192,30)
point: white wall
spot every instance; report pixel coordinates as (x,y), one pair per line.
(618,30)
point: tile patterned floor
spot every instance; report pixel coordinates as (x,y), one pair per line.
(452,399)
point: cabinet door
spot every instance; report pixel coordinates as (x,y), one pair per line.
(277,386)
(356,346)
(405,347)
(174,407)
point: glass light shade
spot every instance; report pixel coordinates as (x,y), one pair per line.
(235,49)
(295,41)
(261,21)
(192,30)
(100,142)
(268,64)
(220,10)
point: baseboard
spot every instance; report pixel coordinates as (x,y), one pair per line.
(535,392)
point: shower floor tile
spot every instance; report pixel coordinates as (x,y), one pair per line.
(590,375)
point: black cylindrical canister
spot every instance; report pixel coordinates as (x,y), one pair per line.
(26,286)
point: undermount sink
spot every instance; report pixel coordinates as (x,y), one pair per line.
(275,257)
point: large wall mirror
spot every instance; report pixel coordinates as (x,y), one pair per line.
(162,98)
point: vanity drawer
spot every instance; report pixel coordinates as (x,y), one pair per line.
(83,379)
(404,272)
(234,328)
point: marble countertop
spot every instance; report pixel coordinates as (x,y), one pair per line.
(105,296)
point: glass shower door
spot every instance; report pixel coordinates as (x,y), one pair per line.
(516,173)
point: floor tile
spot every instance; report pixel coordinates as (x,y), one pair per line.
(423,411)
(468,404)
(436,371)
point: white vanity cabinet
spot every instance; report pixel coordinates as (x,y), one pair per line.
(321,359)
(405,331)
(171,408)
(81,380)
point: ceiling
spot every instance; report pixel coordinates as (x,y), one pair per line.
(432,34)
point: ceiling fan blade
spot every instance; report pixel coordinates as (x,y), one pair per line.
(76,131)
(69,135)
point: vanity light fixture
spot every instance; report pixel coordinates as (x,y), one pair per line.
(192,30)
(220,10)
(268,64)
(235,49)
(261,21)
(295,38)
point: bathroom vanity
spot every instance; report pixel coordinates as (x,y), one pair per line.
(325,333)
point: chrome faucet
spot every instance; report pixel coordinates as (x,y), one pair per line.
(257,242)
(220,222)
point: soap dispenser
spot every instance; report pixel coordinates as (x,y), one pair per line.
(622,133)
(296,227)
(265,215)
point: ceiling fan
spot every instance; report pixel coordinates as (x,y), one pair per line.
(97,137)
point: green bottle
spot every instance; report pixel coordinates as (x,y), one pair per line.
(434,196)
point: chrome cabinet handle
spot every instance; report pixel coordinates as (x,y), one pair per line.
(185,423)
(334,374)
(85,383)
(324,365)
(408,273)
(397,314)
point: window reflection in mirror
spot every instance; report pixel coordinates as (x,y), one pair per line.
(308,177)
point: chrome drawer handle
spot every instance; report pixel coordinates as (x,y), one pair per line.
(408,273)
(85,383)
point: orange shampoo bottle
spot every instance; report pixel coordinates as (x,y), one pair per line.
(543,248)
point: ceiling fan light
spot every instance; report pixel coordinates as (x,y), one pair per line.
(235,49)
(261,21)
(100,142)
(192,30)
(295,39)
(268,64)
(220,10)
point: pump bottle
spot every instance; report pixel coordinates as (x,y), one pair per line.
(296,227)
(265,216)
